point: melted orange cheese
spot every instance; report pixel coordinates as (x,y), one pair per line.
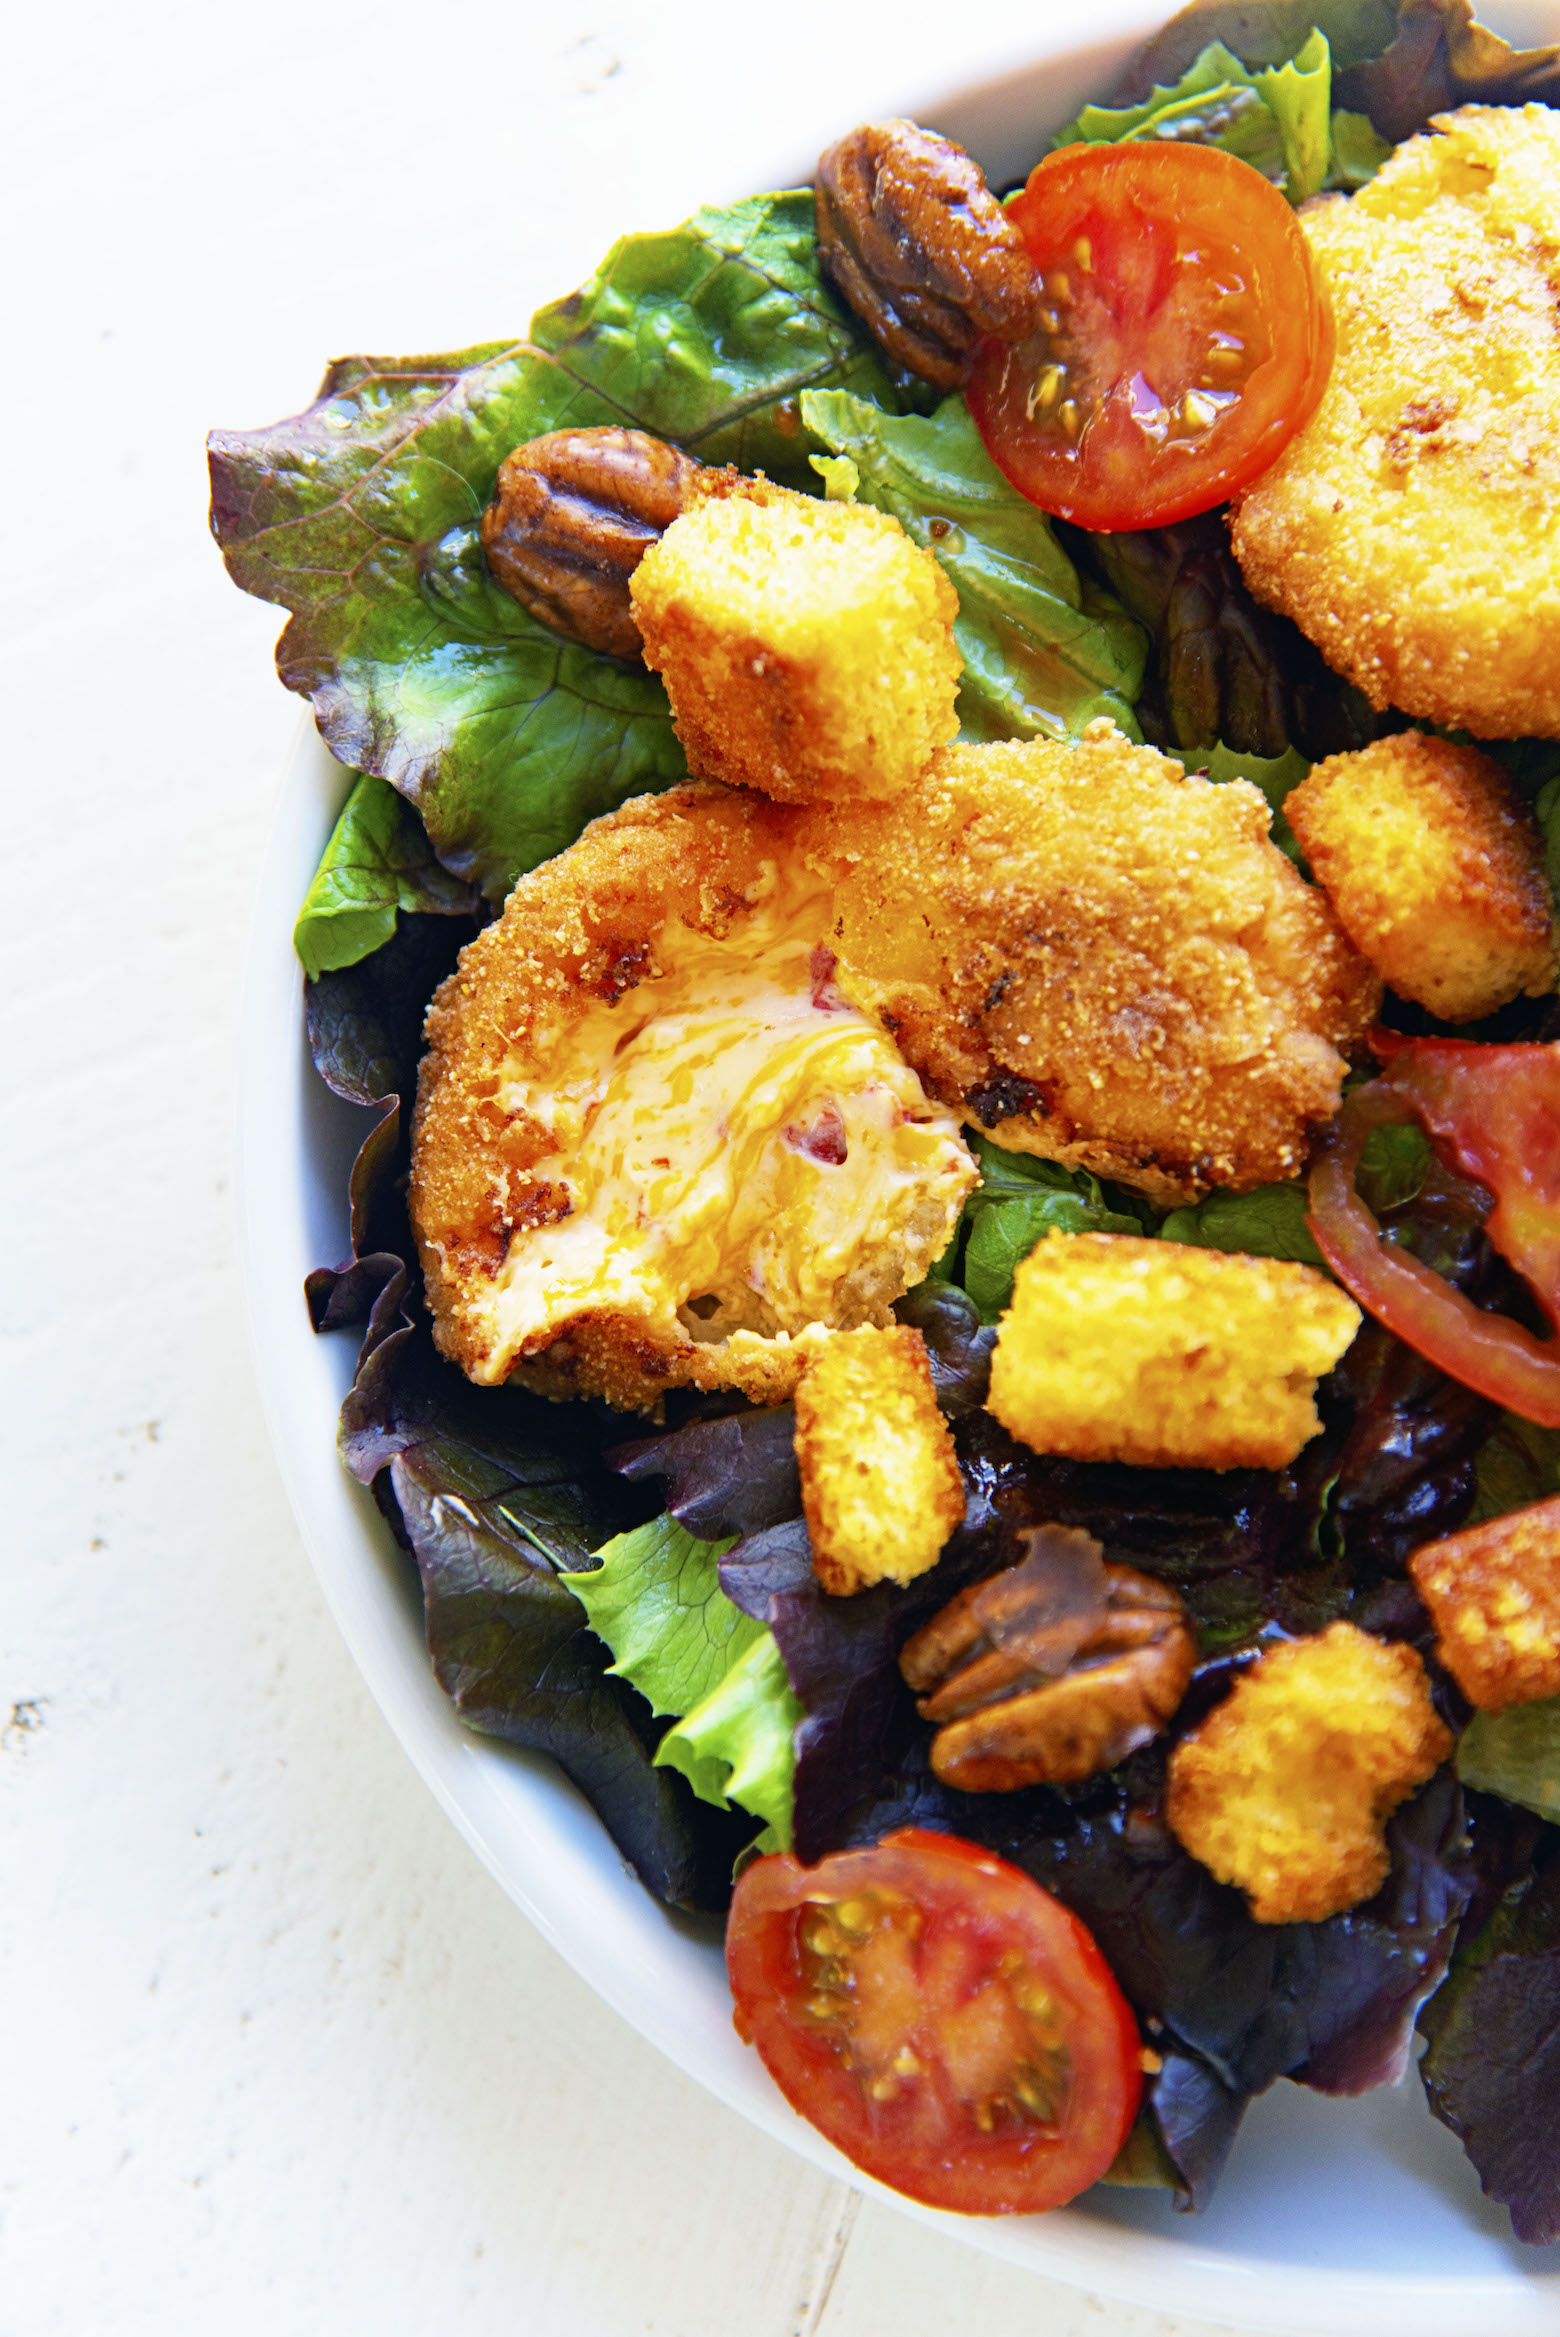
(738,1142)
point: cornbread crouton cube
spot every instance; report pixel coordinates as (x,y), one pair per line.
(1121,1349)
(881,1489)
(807,647)
(1287,1786)
(1436,869)
(1493,1592)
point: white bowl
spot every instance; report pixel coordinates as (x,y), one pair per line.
(1363,2218)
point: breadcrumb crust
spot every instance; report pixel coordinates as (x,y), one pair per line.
(1493,1592)
(1412,528)
(1285,1789)
(1436,868)
(1101,959)
(881,1489)
(487,1163)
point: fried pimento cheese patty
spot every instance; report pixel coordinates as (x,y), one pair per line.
(1100,959)
(655,1142)
(1412,528)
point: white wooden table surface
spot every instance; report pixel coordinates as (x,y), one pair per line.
(277,2054)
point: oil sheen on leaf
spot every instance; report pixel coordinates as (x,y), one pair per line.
(1041,653)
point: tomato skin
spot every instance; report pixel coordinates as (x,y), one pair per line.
(977,1922)
(1495,1112)
(1190,336)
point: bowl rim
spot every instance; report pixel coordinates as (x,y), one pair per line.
(535,1834)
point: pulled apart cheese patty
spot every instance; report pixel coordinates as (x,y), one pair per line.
(1412,528)
(1101,959)
(655,1141)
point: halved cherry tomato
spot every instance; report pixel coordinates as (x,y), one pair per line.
(1187,336)
(943,2020)
(1494,1113)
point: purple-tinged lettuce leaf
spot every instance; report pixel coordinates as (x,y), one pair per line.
(365,1025)
(377,864)
(727,1476)
(1197,2117)
(513,1651)
(1491,2069)
(361,517)
(365,1035)
(501,1499)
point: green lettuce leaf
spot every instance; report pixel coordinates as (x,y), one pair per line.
(1515,1753)
(1269,1223)
(361,517)
(657,1602)
(1395,61)
(1275,775)
(378,863)
(1277,118)
(1517,1464)
(736,1745)
(1041,654)
(1357,152)
(710,334)
(1018,1201)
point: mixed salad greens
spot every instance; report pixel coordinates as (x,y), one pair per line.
(643,1608)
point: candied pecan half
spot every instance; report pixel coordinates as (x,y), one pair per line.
(921,249)
(1051,1671)
(574,514)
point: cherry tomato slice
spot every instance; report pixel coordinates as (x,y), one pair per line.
(943,2020)
(1495,1113)
(1187,336)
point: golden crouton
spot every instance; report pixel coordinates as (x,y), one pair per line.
(1493,1592)
(1101,960)
(881,1489)
(1119,1349)
(1286,1787)
(655,1143)
(1412,528)
(1436,869)
(807,647)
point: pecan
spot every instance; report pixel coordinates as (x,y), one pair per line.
(574,514)
(1051,1671)
(921,249)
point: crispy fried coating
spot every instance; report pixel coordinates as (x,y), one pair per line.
(807,647)
(1493,1592)
(1118,1349)
(1101,960)
(654,1143)
(1436,869)
(1285,1789)
(1412,528)
(881,1489)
